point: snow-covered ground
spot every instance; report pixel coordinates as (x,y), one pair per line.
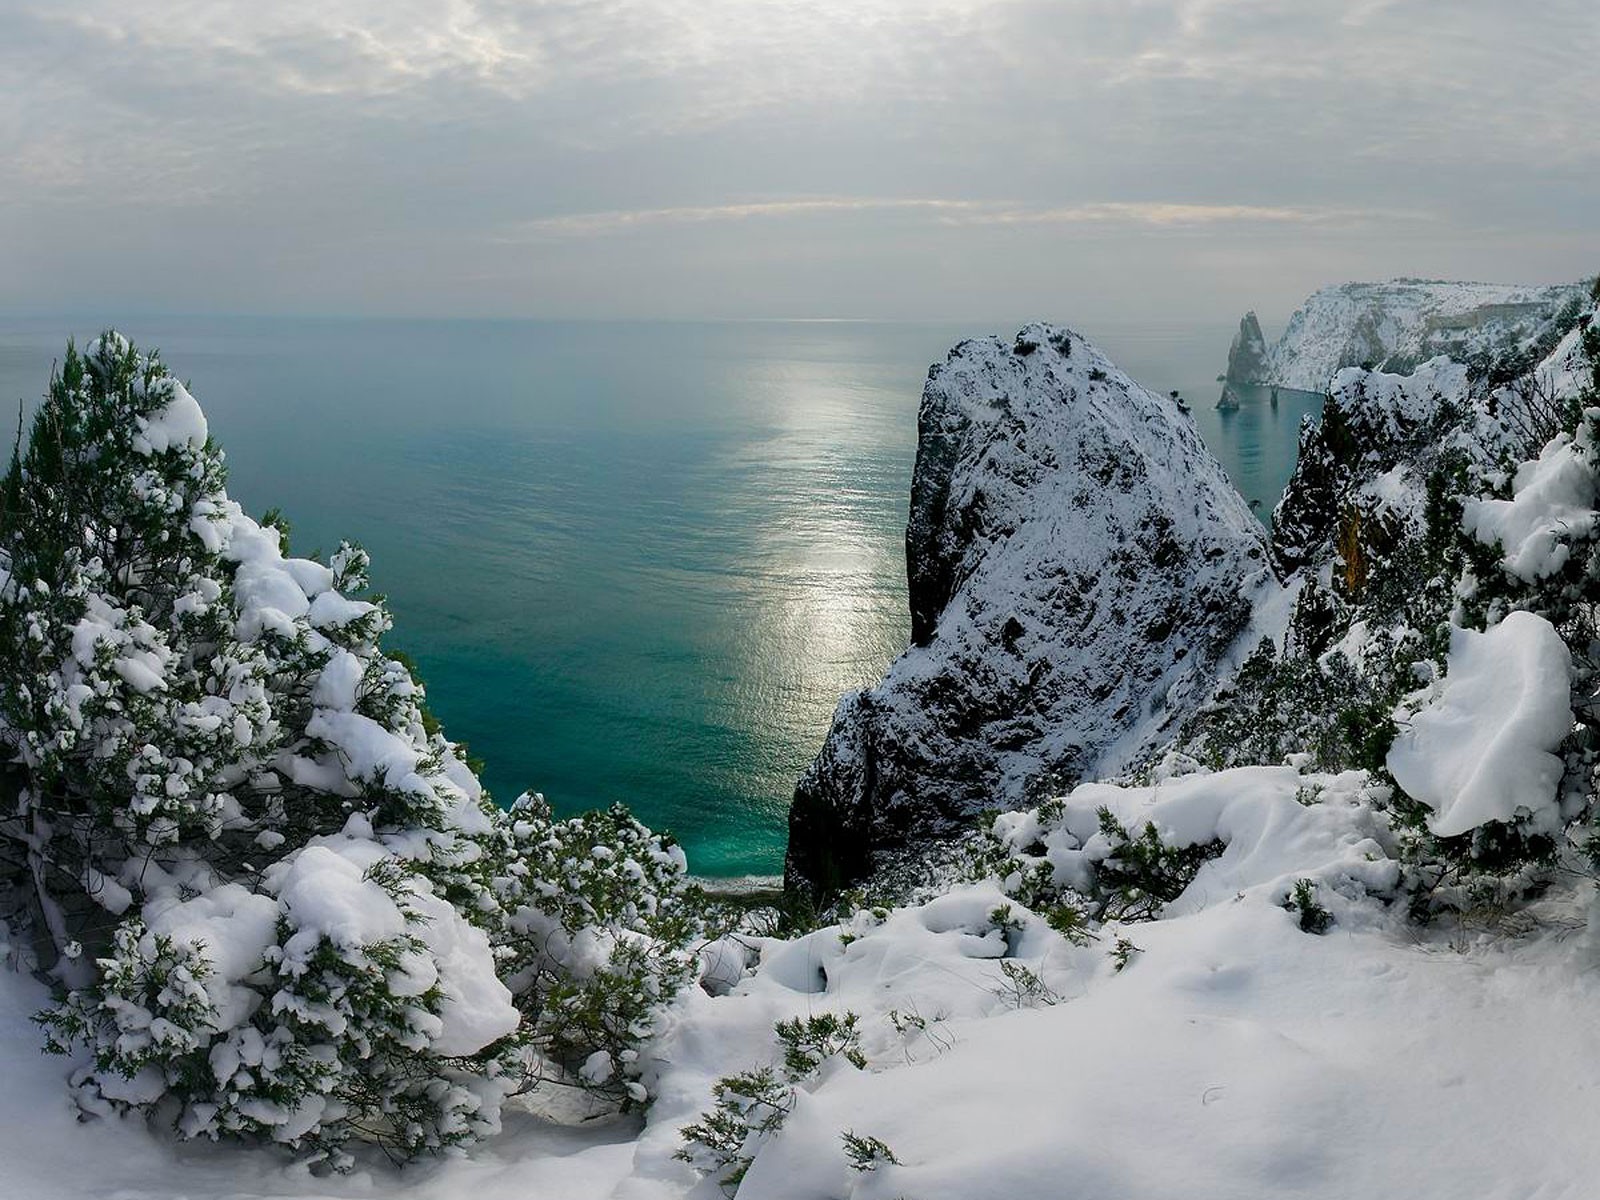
(1233,1055)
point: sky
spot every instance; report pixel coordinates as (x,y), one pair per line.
(1160,160)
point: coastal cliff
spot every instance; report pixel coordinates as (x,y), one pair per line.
(1399,324)
(1078,563)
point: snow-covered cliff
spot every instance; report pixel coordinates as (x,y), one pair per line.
(1404,322)
(1078,562)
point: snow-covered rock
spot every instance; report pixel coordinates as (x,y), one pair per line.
(1403,322)
(1369,455)
(1247,356)
(1078,564)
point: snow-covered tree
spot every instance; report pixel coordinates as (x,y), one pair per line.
(275,898)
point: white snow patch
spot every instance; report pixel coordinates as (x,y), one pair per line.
(232,926)
(1481,749)
(180,423)
(1271,838)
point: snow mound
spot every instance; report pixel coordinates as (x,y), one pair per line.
(1481,749)
(180,423)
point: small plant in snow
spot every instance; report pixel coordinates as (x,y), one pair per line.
(866,1153)
(751,1107)
(748,1108)
(913,1025)
(1144,873)
(1022,987)
(1303,900)
(809,1043)
(1122,952)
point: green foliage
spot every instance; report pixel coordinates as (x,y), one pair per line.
(747,1109)
(751,1106)
(1143,873)
(808,1043)
(867,1153)
(1303,900)
(597,939)
(1122,952)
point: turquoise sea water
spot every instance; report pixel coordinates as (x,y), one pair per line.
(633,561)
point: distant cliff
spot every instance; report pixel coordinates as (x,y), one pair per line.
(1078,562)
(1247,356)
(1397,325)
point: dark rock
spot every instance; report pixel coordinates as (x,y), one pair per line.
(1247,356)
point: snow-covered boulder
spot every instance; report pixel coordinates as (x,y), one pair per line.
(1078,563)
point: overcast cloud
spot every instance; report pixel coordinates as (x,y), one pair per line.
(964,159)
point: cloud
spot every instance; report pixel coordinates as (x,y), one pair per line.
(596,224)
(1132,214)
(288,143)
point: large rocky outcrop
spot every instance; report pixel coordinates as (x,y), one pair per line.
(1247,356)
(1404,322)
(1078,563)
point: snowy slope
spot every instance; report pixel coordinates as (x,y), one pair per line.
(1234,1057)
(1077,561)
(1404,322)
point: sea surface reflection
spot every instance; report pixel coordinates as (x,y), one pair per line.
(635,562)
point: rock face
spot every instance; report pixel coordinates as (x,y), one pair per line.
(1397,325)
(1078,562)
(1247,356)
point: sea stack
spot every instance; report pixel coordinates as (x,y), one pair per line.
(1247,356)
(1078,564)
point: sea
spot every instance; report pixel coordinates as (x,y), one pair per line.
(634,562)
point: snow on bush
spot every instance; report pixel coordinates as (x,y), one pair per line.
(596,938)
(1176,845)
(1482,745)
(1552,503)
(276,899)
